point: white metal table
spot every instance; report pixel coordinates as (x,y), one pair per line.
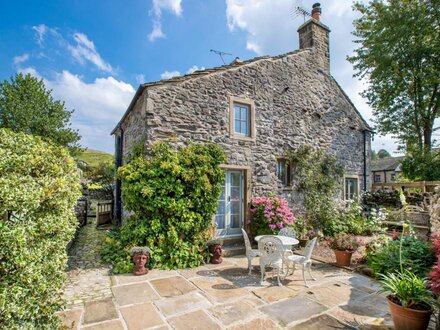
(287,241)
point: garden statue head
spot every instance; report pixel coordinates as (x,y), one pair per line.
(141,257)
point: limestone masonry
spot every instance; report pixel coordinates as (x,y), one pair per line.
(295,101)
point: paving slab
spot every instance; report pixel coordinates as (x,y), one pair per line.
(134,294)
(256,324)
(99,310)
(172,286)
(333,294)
(291,310)
(111,325)
(152,275)
(233,312)
(323,321)
(191,272)
(357,313)
(197,320)
(275,293)
(240,277)
(220,290)
(71,319)
(181,304)
(138,317)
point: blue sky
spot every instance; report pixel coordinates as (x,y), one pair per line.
(94,54)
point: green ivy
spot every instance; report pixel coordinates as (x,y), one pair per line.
(173,195)
(318,176)
(39,187)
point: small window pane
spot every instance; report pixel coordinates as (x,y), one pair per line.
(351,186)
(283,172)
(242,119)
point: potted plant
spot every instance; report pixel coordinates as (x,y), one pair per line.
(301,229)
(343,245)
(409,298)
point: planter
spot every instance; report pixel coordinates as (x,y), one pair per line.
(140,259)
(303,241)
(216,253)
(343,258)
(407,318)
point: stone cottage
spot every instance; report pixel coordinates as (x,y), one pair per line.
(255,110)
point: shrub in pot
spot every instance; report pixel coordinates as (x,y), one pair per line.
(410,300)
(343,245)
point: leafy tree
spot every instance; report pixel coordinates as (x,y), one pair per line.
(382,153)
(373,155)
(419,165)
(399,55)
(26,106)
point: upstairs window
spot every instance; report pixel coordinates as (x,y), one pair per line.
(283,172)
(242,119)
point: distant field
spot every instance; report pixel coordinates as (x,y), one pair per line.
(95,157)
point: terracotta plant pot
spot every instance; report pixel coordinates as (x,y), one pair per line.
(303,241)
(343,258)
(407,318)
(216,253)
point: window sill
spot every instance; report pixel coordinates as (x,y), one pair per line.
(242,137)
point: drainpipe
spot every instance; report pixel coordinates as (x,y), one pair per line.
(365,160)
(118,161)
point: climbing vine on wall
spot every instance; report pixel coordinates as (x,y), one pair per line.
(318,176)
(173,195)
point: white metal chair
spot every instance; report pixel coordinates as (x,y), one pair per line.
(305,261)
(288,232)
(250,252)
(272,252)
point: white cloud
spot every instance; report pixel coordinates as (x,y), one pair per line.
(20,59)
(29,70)
(41,31)
(194,68)
(98,105)
(140,78)
(85,51)
(172,6)
(169,74)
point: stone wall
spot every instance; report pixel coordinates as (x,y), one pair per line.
(295,104)
(81,211)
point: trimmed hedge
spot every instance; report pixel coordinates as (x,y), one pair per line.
(39,187)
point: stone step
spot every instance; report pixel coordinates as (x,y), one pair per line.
(232,241)
(230,251)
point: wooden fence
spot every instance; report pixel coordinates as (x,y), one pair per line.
(424,186)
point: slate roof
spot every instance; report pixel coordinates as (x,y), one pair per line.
(386,164)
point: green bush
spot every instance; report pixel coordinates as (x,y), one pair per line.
(173,196)
(417,256)
(39,187)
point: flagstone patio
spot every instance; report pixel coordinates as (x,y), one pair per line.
(225,297)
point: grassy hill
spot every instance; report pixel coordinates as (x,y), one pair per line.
(95,157)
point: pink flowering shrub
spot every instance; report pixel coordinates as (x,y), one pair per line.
(269,215)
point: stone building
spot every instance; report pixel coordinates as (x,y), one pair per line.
(256,111)
(385,170)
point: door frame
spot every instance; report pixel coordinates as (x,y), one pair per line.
(247,194)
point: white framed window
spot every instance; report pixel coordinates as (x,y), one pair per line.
(241,118)
(351,188)
(283,172)
(377,178)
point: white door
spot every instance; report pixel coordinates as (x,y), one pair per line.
(229,217)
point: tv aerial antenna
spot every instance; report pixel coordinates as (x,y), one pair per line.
(298,10)
(220,53)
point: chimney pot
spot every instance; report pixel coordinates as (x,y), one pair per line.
(316,11)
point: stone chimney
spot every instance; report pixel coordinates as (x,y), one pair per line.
(313,34)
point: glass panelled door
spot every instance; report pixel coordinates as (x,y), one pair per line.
(229,217)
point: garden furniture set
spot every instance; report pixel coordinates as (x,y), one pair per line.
(276,251)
